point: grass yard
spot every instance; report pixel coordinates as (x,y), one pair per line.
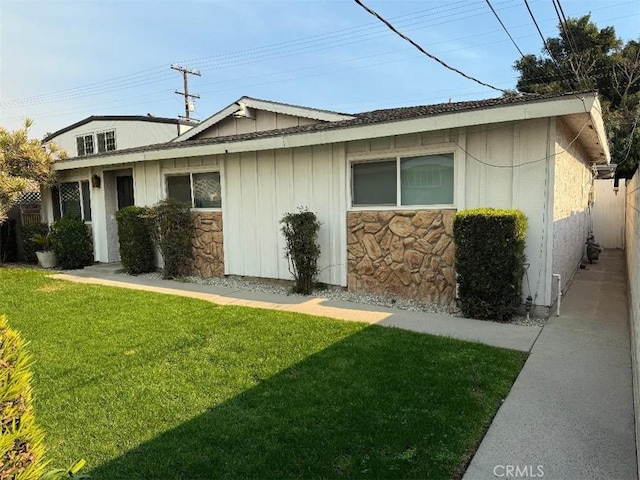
(150,386)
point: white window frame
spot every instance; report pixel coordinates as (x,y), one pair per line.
(97,142)
(79,182)
(177,172)
(381,156)
(84,141)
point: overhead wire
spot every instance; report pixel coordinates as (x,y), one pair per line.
(224,60)
(569,42)
(505,28)
(431,56)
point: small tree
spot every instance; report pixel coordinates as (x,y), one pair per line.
(23,160)
(300,231)
(135,237)
(172,232)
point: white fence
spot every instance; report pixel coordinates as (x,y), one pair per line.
(608,214)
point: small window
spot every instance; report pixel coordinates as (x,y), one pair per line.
(85,145)
(427,180)
(200,190)
(206,190)
(422,180)
(179,188)
(106,141)
(72,198)
(374,183)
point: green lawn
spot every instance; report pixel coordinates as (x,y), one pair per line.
(149,386)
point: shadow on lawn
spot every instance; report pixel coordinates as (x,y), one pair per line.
(380,404)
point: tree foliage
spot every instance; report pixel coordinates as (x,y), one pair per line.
(23,160)
(584,57)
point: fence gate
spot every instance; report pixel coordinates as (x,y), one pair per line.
(607,214)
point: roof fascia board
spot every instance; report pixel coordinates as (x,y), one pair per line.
(262,105)
(598,125)
(212,120)
(296,111)
(506,113)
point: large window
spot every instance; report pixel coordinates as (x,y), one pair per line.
(72,198)
(200,190)
(85,145)
(421,180)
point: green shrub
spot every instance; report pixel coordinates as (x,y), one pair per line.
(26,234)
(300,231)
(21,441)
(490,261)
(136,244)
(172,232)
(71,242)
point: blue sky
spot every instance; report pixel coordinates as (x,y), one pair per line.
(61,61)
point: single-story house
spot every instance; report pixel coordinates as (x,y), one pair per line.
(385,185)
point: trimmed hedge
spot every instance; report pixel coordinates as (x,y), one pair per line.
(21,441)
(135,237)
(71,242)
(302,251)
(490,261)
(26,233)
(172,232)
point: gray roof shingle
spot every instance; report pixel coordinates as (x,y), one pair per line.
(364,118)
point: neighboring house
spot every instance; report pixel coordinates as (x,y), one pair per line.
(384,184)
(107,133)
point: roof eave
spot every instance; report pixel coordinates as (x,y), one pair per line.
(504,113)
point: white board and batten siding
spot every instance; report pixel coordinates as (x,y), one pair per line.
(261,187)
(608,214)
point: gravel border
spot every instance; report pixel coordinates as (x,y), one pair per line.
(335,293)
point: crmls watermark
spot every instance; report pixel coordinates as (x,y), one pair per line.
(518,471)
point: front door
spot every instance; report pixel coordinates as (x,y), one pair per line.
(124,186)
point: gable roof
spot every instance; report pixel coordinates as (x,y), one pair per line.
(130,118)
(380,123)
(267,105)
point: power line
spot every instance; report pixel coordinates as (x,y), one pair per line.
(433,57)
(252,52)
(563,25)
(546,45)
(505,28)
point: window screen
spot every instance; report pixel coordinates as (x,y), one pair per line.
(374,183)
(70,199)
(179,188)
(426,180)
(206,190)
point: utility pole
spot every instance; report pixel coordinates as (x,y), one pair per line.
(188,106)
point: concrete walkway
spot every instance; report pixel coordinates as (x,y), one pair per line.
(570,414)
(513,337)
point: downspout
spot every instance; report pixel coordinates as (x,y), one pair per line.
(559,277)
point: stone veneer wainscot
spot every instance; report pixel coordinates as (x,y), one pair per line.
(403,253)
(207,252)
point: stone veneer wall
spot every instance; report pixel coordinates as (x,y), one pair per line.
(207,253)
(404,253)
